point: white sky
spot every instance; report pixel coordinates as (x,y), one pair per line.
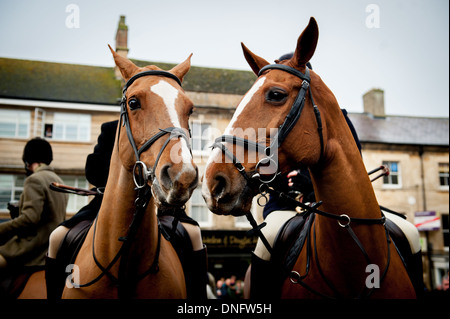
(407,56)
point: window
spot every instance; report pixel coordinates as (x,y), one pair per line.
(76,201)
(199,210)
(393,179)
(200,136)
(71,127)
(15,123)
(443,175)
(11,187)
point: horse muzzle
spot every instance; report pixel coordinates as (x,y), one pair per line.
(226,194)
(175,183)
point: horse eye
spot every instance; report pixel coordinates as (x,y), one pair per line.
(276,95)
(134,104)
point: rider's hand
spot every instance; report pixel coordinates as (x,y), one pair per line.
(300,182)
(13,209)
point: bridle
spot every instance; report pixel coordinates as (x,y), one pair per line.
(283,130)
(266,185)
(141,176)
(272,149)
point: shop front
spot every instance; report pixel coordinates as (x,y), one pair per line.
(229,252)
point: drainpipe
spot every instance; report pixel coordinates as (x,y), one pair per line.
(424,208)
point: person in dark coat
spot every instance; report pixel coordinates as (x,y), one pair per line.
(96,170)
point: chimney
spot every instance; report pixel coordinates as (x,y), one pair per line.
(374,102)
(121,42)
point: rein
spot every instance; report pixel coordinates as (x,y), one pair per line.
(343,221)
(285,128)
(141,176)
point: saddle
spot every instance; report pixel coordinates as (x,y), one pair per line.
(292,235)
(171,229)
(174,232)
(72,242)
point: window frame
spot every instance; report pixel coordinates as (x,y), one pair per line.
(443,174)
(16,116)
(81,121)
(203,137)
(398,174)
(75,202)
(191,204)
(14,190)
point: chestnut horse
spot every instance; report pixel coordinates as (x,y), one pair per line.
(124,254)
(348,233)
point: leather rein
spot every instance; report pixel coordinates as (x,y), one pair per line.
(265,185)
(141,176)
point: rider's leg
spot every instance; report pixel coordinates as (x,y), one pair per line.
(196,264)
(274,221)
(3,262)
(55,240)
(195,235)
(54,272)
(262,268)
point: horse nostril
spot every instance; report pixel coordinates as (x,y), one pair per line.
(165,179)
(221,187)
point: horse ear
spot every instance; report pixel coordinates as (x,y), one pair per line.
(126,67)
(255,62)
(306,44)
(181,69)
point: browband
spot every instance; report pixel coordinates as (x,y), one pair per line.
(150,72)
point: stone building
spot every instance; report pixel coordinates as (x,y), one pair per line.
(67,103)
(416,149)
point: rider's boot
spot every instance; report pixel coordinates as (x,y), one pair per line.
(196,274)
(54,278)
(262,279)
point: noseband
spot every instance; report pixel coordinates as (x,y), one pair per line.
(142,174)
(283,130)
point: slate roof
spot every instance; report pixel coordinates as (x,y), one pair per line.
(50,81)
(401,129)
(211,80)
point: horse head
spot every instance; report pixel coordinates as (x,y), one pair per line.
(265,116)
(153,134)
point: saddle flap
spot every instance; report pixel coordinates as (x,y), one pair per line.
(72,242)
(289,241)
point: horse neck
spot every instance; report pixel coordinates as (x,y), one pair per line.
(341,182)
(116,214)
